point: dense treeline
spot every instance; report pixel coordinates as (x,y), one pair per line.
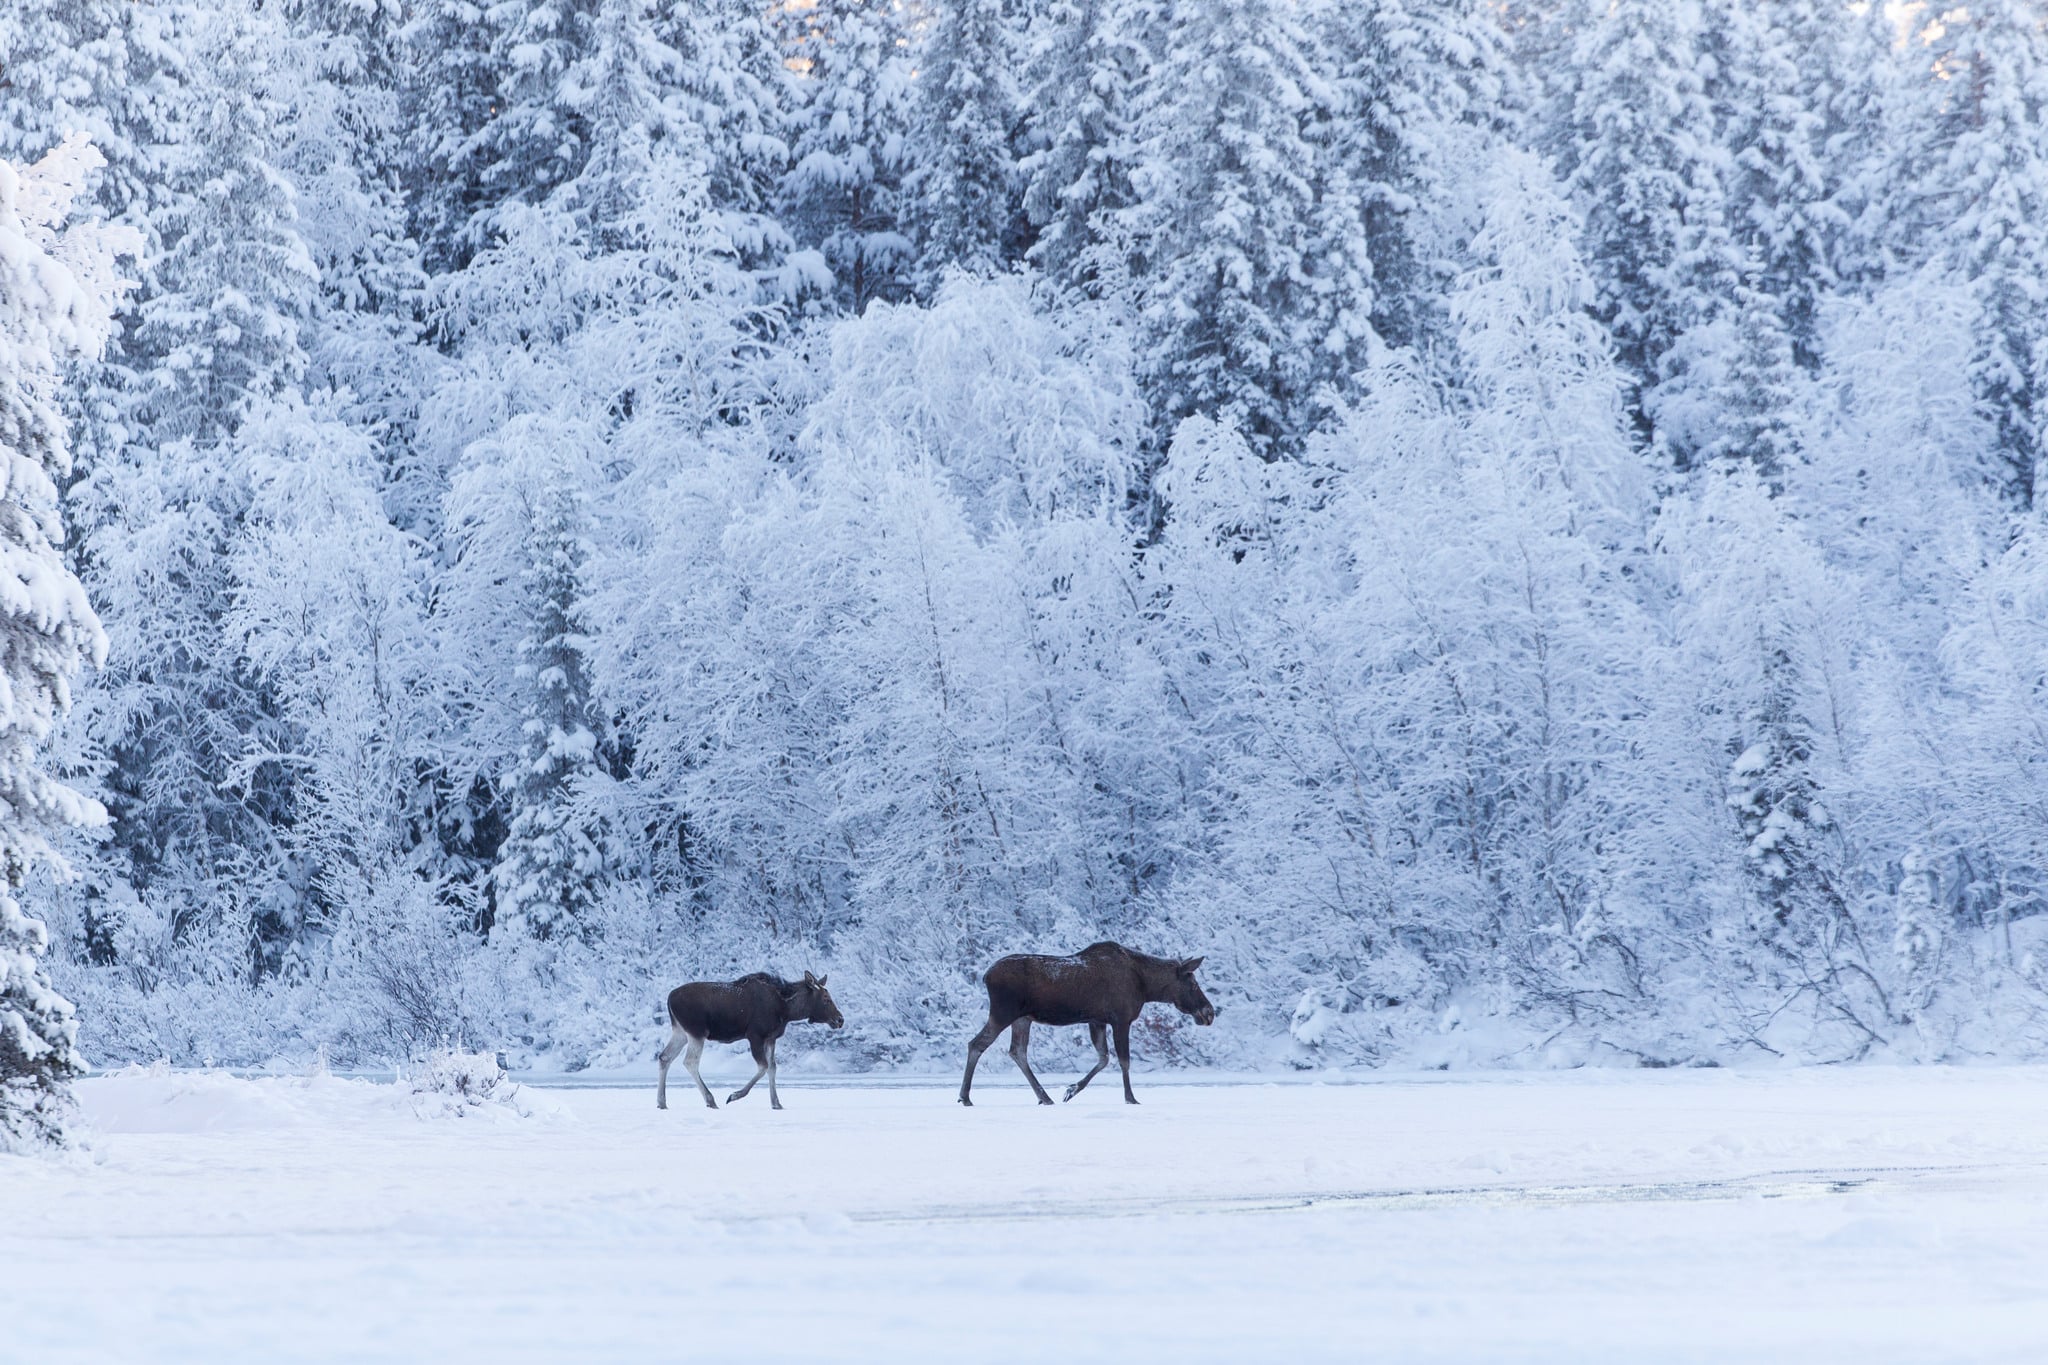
(1511,528)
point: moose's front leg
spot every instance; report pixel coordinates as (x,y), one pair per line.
(1123,1057)
(774,1100)
(690,1056)
(676,1042)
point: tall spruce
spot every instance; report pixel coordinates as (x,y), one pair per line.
(1252,282)
(57,288)
(962,203)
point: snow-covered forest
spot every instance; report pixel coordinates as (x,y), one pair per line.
(1511,527)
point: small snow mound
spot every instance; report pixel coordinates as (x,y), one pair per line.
(157,1099)
(449,1083)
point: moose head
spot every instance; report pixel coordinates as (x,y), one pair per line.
(811,1002)
(1187,993)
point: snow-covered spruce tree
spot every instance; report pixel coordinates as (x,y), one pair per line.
(449,97)
(1756,399)
(1417,89)
(504,119)
(842,198)
(343,145)
(601,343)
(1255,291)
(1869,154)
(66,65)
(1647,175)
(343,140)
(733,85)
(551,860)
(1087,60)
(1980,139)
(962,202)
(57,289)
(1772,90)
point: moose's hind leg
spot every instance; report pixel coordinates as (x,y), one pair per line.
(758,1048)
(977,1045)
(1098,1034)
(1020,1052)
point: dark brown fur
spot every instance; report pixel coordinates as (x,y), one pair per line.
(757,1007)
(1103,986)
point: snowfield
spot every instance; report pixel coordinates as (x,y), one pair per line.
(1813,1215)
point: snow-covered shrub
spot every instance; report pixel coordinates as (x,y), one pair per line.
(450,1083)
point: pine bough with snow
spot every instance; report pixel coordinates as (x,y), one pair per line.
(1511,529)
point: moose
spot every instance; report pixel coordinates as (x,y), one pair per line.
(757,1007)
(1103,986)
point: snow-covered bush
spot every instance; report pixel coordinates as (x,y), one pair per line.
(450,1083)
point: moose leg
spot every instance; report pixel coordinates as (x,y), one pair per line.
(759,1048)
(668,1053)
(774,1100)
(1020,1053)
(977,1045)
(1098,1034)
(690,1056)
(1123,1058)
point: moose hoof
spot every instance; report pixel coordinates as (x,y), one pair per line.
(733,1098)
(1045,1099)
(1072,1091)
(969,1103)
(661,1104)
(772,1104)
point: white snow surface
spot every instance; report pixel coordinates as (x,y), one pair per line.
(1871,1214)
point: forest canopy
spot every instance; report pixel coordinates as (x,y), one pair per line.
(1512,528)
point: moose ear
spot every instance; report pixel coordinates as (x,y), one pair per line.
(810,980)
(1187,968)
(821,981)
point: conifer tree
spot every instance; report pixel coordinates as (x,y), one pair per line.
(1255,289)
(1982,141)
(1756,400)
(57,287)
(842,197)
(962,202)
(732,83)
(1773,90)
(1646,172)
(548,868)
(1088,59)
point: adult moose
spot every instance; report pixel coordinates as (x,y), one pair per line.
(757,1007)
(1103,986)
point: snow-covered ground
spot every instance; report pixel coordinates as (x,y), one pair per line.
(1816,1215)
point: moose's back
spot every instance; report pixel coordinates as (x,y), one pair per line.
(724,1013)
(1095,985)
